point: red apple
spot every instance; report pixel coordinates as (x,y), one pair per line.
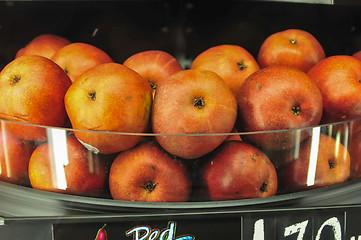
(14,158)
(357,55)
(193,102)
(279,157)
(32,90)
(278,98)
(75,58)
(293,48)
(153,65)
(67,167)
(321,161)
(354,126)
(231,62)
(109,98)
(45,45)
(338,78)
(147,173)
(354,149)
(238,170)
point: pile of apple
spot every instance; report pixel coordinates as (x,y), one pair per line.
(149,130)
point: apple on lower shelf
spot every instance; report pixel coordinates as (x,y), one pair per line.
(14,158)
(326,164)
(237,170)
(147,173)
(68,168)
(354,148)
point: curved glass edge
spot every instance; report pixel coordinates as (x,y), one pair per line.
(151,134)
(302,159)
(342,194)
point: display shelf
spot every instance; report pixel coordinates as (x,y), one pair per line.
(22,202)
(184,29)
(337,222)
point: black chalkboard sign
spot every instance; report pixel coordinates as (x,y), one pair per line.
(291,224)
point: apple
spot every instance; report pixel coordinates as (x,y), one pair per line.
(193,102)
(321,161)
(231,62)
(32,90)
(293,48)
(14,158)
(75,58)
(45,45)
(68,167)
(354,149)
(279,158)
(338,78)
(147,173)
(354,126)
(109,98)
(357,55)
(153,65)
(278,98)
(238,170)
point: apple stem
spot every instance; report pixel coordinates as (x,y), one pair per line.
(264,187)
(150,186)
(331,164)
(293,41)
(66,70)
(92,95)
(199,102)
(296,110)
(153,85)
(15,79)
(241,65)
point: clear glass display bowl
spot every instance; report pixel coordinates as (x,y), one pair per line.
(239,169)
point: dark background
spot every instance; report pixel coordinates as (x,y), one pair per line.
(181,28)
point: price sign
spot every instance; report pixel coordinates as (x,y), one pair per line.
(308,225)
(149,229)
(316,224)
(353,229)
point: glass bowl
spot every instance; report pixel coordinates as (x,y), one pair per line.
(239,171)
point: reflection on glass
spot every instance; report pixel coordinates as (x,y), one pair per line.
(311,174)
(58,156)
(6,153)
(296,152)
(341,137)
(63,164)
